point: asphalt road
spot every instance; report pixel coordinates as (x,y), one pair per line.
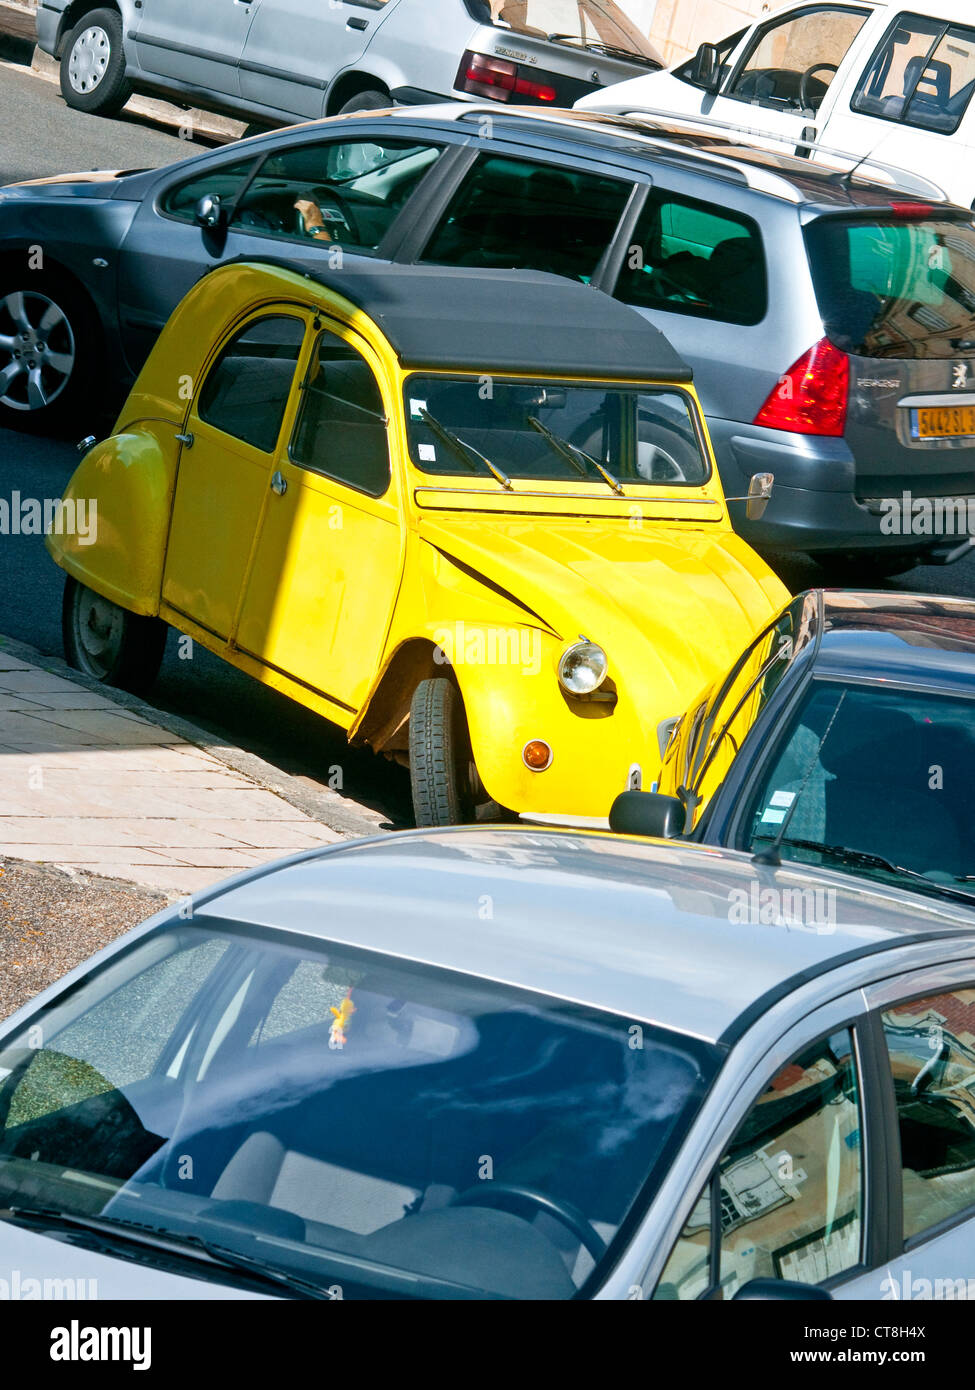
(43,136)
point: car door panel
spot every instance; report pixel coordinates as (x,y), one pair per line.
(200,45)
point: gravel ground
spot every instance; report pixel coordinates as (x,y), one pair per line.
(50,921)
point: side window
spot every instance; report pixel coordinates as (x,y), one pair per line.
(923,74)
(247,388)
(931,1044)
(791,1181)
(516,214)
(224,182)
(725,49)
(792,63)
(337,193)
(341,426)
(689,257)
(687,1274)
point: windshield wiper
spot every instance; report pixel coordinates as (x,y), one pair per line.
(863,859)
(461,449)
(610,49)
(571,451)
(155,1237)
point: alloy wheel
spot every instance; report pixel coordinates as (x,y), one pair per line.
(37,350)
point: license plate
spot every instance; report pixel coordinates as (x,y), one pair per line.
(943,422)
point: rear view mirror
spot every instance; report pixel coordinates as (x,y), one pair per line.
(781,1291)
(209,211)
(648,813)
(759,495)
(706,71)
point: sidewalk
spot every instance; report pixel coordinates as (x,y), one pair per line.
(88,783)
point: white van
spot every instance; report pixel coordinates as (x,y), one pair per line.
(876,78)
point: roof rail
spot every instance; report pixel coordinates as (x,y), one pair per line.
(902,179)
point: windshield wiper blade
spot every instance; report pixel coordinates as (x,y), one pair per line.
(610,49)
(571,451)
(156,1237)
(461,449)
(864,859)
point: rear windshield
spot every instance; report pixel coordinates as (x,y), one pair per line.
(589,23)
(894,288)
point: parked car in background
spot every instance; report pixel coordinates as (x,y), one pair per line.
(317,1086)
(280,61)
(844,735)
(877,78)
(488,555)
(827,319)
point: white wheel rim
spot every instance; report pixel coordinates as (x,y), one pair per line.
(37,350)
(98,632)
(89,59)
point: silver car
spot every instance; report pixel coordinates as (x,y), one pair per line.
(510,1064)
(279,61)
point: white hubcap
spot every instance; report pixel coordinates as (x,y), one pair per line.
(89,59)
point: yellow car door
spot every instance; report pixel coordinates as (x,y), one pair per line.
(225,467)
(329,556)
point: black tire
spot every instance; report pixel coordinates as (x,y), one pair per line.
(442,778)
(109,643)
(57,343)
(366,101)
(93,65)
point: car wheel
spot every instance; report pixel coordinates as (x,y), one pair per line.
(108,643)
(442,774)
(93,65)
(366,101)
(49,350)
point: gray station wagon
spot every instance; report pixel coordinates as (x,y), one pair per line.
(504,1064)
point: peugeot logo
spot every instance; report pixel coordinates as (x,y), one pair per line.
(961,377)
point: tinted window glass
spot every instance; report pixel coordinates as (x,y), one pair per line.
(791,1199)
(891,288)
(343,194)
(247,389)
(223,181)
(923,74)
(793,62)
(595,23)
(555,432)
(512,213)
(687,1273)
(389,1130)
(341,429)
(695,258)
(931,1043)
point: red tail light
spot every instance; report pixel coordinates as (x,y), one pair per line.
(914,212)
(813,396)
(499,80)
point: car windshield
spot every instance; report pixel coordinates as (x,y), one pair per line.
(592,23)
(882,773)
(349,1120)
(555,433)
(894,288)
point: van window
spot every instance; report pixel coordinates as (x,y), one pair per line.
(793,61)
(341,427)
(247,389)
(893,288)
(923,74)
(694,258)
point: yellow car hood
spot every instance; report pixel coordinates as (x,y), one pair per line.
(671,605)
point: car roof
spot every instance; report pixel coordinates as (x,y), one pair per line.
(501,320)
(925,641)
(639,928)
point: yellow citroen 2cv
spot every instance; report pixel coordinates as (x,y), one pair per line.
(472,517)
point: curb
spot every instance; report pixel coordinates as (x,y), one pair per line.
(345,817)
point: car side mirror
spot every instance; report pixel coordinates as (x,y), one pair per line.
(706,71)
(781,1291)
(209,212)
(648,813)
(759,495)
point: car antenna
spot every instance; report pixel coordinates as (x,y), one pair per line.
(771,857)
(846,180)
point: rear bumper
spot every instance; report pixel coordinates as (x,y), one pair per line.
(814,505)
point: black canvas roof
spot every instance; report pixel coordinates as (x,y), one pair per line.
(503,321)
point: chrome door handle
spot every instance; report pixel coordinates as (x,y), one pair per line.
(279,483)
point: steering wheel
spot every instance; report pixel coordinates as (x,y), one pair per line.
(324,196)
(804,101)
(493,1194)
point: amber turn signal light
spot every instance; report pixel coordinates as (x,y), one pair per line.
(537,755)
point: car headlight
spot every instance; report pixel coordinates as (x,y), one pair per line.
(582,667)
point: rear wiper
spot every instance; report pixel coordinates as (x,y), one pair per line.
(135,1233)
(573,453)
(461,449)
(863,859)
(610,49)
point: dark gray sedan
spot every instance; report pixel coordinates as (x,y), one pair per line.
(512,1064)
